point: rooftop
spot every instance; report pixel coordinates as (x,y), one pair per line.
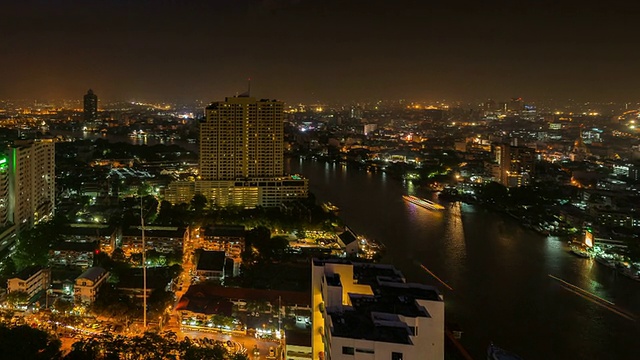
(358,325)
(211,260)
(377,317)
(28,272)
(286,298)
(75,246)
(92,274)
(225,231)
(169,232)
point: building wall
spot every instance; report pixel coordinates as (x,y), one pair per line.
(242,137)
(32,182)
(4,191)
(248,193)
(86,291)
(37,282)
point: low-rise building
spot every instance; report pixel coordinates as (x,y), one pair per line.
(211,266)
(31,280)
(105,235)
(298,345)
(227,238)
(79,254)
(163,239)
(88,284)
(132,284)
(369,310)
(203,300)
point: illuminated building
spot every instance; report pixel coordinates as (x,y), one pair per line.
(4,190)
(370,311)
(31,280)
(515,164)
(32,182)
(241,157)
(90,110)
(87,285)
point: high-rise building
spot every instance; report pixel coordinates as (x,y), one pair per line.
(242,138)
(4,191)
(369,311)
(32,182)
(515,163)
(241,157)
(90,106)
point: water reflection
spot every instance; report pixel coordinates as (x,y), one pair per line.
(499,270)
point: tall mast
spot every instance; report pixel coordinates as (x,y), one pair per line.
(144,270)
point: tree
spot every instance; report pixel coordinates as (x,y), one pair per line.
(158,302)
(198,203)
(25,342)
(63,306)
(17,297)
(165,214)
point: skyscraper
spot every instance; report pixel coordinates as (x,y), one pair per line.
(242,138)
(32,182)
(241,157)
(515,163)
(90,106)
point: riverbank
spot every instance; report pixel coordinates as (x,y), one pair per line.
(491,262)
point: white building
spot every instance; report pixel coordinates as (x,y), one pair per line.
(368,311)
(32,182)
(88,284)
(31,280)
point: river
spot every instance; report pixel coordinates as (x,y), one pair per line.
(498,270)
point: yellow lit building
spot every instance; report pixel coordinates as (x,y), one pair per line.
(241,157)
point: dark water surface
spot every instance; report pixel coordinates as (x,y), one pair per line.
(498,270)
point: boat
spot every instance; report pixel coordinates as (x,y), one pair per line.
(329,207)
(496,353)
(424,203)
(579,252)
(606,262)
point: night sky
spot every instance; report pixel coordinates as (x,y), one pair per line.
(320,50)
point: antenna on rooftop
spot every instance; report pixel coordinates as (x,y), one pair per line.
(249,87)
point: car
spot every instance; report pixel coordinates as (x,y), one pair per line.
(272,351)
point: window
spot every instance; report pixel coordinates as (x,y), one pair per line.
(366,351)
(350,351)
(396,356)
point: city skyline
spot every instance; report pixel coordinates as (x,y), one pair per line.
(323,50)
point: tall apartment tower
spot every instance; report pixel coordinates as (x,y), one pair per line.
(241,157)
(516,164)
(4,191)
(240,138)
(32,182)
(90,106)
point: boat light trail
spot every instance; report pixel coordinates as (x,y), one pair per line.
(593,298)
(435,277)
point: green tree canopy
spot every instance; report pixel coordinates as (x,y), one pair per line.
(25,342)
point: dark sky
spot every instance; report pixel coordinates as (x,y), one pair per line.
(320,50)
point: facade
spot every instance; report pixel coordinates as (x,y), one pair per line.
(227,238)
(515,163)
(163,239)
(211,266)
(242,138)
(88,284)
(368,311)
(31,280)
(4,191)
(241,157)
(32,182)
(90,109)
(107,236)
(76,254)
